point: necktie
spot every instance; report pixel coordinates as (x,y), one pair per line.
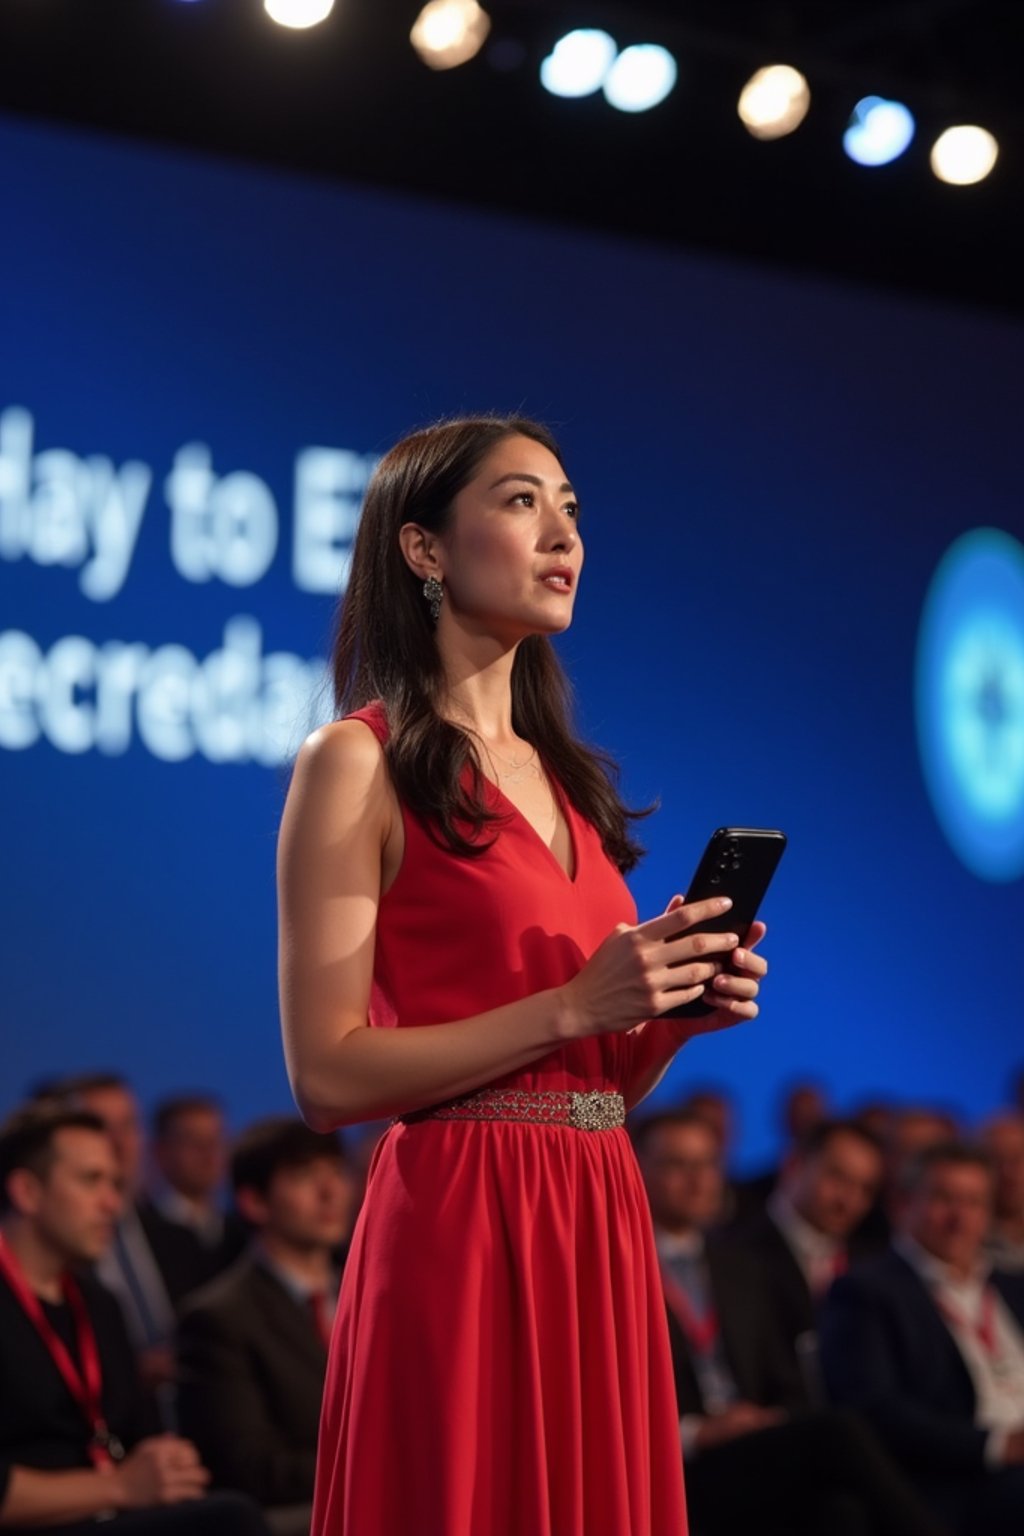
(318,1307)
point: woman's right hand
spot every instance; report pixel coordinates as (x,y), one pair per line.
(638,972)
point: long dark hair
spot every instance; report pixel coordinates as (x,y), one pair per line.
(385,649)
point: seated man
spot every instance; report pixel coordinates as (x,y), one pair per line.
(190,1150)
(148,1267)
(929,1344)
(75,1439)
(757,1458)
(802,1108)
(805,1237)
(253,1344)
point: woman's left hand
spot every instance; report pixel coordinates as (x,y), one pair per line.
(734,997)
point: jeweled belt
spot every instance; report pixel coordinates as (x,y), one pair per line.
(593,1110)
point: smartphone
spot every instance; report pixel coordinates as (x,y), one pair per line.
(738,862)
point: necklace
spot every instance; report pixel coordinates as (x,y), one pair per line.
(517,771)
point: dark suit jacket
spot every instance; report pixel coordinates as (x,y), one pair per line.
(184,1262)
(791,1295)
(886,1351)
(40,1423)
(251,1379)
(762,1369)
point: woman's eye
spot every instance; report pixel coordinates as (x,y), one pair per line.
(573,509)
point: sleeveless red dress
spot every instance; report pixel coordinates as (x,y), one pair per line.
(500,1361)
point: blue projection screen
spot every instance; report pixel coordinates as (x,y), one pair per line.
(200,364)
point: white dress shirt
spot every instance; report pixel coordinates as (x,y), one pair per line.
(204,1220)
(819,1256)
(682,1256)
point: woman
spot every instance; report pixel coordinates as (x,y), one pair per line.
(451,858)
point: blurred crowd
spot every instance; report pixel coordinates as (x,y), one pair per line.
(847,1327)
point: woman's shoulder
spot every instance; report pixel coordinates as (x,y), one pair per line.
(350,748)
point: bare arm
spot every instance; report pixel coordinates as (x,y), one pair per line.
(333,839)
(161,1470)
(55,1498)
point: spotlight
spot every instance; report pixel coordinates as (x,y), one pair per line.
(298,13)
(578,64)
(964,155)
(640,78)
(879,131)
(774,101)
(449,32)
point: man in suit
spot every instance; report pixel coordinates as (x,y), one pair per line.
(928,1343)
(189,1147)
(253,1344)
(757,1457)
(805,1237)
(803,1107)
(77,1437)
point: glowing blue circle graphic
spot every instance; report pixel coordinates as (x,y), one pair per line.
(970,701)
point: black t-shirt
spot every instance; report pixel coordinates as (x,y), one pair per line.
(41,1424)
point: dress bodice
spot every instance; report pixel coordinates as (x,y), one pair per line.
(457,936)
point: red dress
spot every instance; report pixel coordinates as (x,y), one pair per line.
(500,1362)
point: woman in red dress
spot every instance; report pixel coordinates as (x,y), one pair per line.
(459,951)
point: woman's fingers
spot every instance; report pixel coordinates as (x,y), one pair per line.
(696,946)
(736,1009)
(672,978)
(756,934)
(750,965)
(678,918)
(735,986)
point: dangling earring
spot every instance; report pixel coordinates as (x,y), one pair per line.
(433,591)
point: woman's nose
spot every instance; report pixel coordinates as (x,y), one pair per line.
(560,530)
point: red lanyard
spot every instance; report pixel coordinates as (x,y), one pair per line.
(85,1385)
(983,1328)
(701,1332)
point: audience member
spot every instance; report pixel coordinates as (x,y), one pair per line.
(876,1116)
(804,1238)
(145,1260)
(912,1128)
(718,1111)
(757,1456)
(803,1106)
(190,1150)
(253,1345)
(77,1441)
(929,1344)
(1003,1137)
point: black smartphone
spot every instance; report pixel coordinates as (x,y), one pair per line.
(738,862)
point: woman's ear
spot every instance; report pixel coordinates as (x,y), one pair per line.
(421,550)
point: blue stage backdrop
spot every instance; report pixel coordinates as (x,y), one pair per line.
(200,363)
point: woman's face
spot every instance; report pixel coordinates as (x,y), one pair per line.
(512,555)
